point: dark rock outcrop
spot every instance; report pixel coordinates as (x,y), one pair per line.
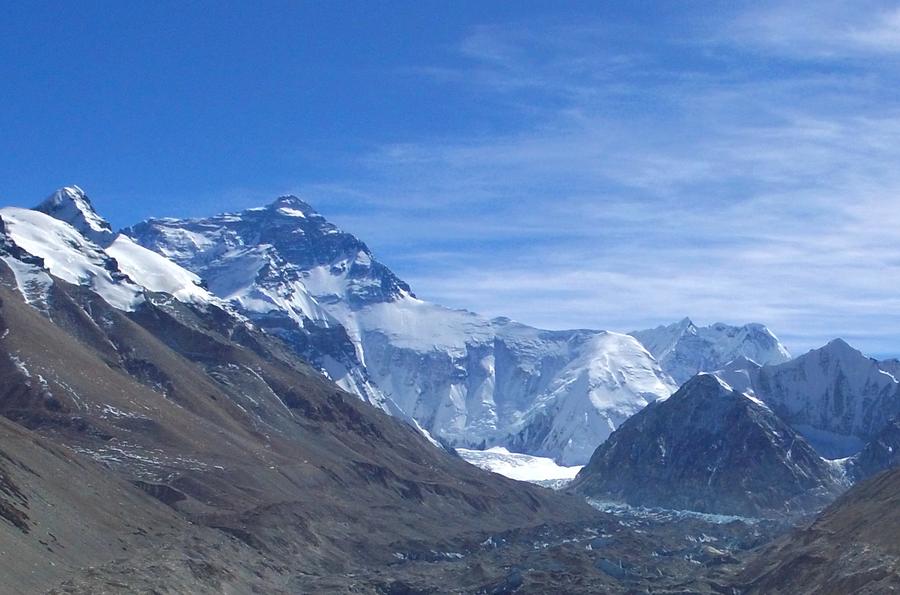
(710,449)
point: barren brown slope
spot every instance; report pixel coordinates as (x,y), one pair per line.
(232,432)
(62,515)
(853,547)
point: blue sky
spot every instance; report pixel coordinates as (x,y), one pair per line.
(608,165)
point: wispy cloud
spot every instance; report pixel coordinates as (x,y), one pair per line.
(717,174)
(829,29)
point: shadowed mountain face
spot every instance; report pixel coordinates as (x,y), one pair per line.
(834,395)
(209,450)
(880,453)
(711,449)
(853,547)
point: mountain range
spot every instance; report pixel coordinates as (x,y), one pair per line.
(460,378)
(467,380)
(835,396)
(252,402)
(756,440)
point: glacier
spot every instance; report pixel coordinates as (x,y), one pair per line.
(521,467)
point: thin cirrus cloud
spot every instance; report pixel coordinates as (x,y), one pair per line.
(843,30)
(752,178)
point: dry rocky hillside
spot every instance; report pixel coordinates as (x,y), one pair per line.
(853,547)
(174,439)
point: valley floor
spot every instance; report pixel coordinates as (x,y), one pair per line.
(622,551)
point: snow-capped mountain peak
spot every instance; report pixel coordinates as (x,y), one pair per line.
(284,243)
(65,237)
(72,205)
(709,448)
(468,380)
(834,395)
(662,340)
(840,348)
(684,349)
(44,244)
(293,206)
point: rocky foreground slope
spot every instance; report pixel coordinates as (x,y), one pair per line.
(853,547)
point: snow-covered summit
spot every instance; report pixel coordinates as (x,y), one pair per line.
(293,206)
(280,265)
(65,237)
(466,379)
(684,349)
(836,396)
(57,248)
(72,205)
(278,245)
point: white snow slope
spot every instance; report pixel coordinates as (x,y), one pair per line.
(64,236)
(518,466)
(67,255)
(157,273)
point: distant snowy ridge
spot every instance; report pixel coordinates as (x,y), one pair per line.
(684,349)
(835,396)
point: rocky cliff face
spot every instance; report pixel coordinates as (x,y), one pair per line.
(880,453)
